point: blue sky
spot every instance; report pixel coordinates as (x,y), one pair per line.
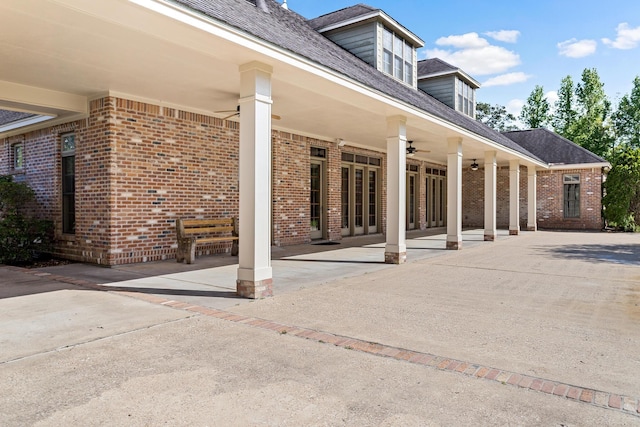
(512,46)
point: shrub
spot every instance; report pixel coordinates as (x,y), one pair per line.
(23,238)
(622,199)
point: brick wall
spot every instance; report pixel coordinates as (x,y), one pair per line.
(167,164)
(291,188)
(141,166)
(473,197)
(549,199)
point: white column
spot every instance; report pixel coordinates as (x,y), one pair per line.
(395,251)
(454,193)
(514,197)
(255,277)
(532,220)
(490,200)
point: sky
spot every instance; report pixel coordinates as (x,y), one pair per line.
(512,46)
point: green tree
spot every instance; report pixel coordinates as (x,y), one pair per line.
(495,116)
(22,237)
(622,199)
(627,118)
(535,113)
(592,128)
(564,118)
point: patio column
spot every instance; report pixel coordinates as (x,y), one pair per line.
(514,197)
(395,251)
(490,201)
(532,215)
(454,193)
(255,278)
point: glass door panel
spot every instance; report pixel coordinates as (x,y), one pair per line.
(359,202)
(315,199)
(411,201)
(373,205)
(345,196)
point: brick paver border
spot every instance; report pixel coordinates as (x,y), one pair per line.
(602,399)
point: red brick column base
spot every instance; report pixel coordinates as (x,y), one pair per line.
(454,246)
(395,257)
(255,290)
(489,237)
(514,232)
(534,228)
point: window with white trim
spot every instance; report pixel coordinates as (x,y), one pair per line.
(68,183)
(17,156)
(397,57)
(571,191)
(466,99)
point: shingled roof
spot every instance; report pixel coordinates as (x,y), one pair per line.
(434,65)
(7,116)
(341,15)
(552,148)
(288,30)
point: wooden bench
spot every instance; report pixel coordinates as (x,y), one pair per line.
(192,232)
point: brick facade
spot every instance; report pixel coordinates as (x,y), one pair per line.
(140,166)
(549,195)
(550,200)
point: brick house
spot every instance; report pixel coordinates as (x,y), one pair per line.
(152,110)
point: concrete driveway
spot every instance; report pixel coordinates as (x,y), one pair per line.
(538,329)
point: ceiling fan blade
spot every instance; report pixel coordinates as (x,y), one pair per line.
(231,115)
(236,112)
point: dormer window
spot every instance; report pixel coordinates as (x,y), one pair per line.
(375,37)
(397,56)
(465,99)
(448,84)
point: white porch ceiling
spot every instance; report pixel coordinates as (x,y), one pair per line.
(80,49)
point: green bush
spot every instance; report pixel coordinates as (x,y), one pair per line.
(23,238)
(622,199)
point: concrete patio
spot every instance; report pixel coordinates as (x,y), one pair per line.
(537,329)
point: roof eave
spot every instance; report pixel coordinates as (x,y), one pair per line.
(561,166)
(457,72)
(279,53)
(376,15)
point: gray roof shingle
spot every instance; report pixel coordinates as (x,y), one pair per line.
(434,65)
(7,116)
(341,15)
(552,148)
(286,29)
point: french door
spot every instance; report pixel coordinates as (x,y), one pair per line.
(317,200)
(359,198)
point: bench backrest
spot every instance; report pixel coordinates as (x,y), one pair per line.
(194,227)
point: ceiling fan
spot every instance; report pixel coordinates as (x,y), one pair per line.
(236,112)
(411,150)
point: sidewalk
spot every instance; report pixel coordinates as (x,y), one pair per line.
(538,329)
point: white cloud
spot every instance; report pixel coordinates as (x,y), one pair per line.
(507,36)
(475,55)
(507,79)
(575,48)
(552,97)
(627,38)
(515,106)
(464,41)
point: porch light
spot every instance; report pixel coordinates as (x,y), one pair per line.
(474,165)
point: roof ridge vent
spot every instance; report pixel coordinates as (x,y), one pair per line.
(284,5)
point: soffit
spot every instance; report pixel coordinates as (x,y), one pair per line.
(90,48)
